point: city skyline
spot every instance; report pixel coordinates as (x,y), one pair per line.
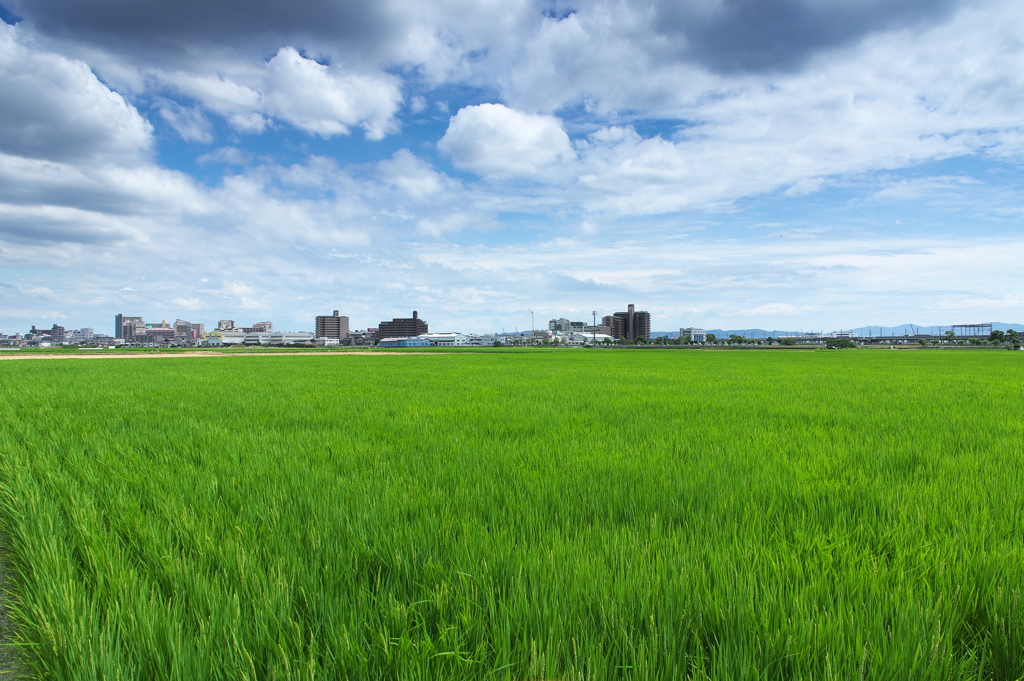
(722,165)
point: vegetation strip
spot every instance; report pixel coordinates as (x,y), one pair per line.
(519,516)
(141,355)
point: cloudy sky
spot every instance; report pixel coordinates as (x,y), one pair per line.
(797,164)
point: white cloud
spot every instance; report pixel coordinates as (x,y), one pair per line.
(918,188)
(412,175)
(316,98)
(493,140)
(776,310)
(54,108)
(327,101)
(226,155)
(188,122)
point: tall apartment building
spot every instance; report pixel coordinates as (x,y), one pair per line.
(630,325)
(124,327)
(332,326)
(402,327)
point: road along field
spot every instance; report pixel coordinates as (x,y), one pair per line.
(548,515)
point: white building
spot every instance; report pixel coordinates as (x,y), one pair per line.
(291,337)
(487,340)
(694,334)
(327,342)
(581,339)
(257,338)
(446,339)
(217,338)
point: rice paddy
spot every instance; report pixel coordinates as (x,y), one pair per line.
(547,515)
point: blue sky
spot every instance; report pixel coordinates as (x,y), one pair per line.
(720,163)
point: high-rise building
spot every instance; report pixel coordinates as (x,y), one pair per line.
(124,327)
(332,326)
(402,327)
(225,325)
(630,324)
(263,327)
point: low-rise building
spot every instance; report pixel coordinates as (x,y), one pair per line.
(291,337)
(257,338)
(446,339)
(413,342)
(581,339)
(217,338)
(693,334)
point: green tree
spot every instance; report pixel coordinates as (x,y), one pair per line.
(712,338)
(1013,340)
(840,343)
(950,336)
(787,341)
(996,337)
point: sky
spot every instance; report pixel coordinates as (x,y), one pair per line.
(793,164)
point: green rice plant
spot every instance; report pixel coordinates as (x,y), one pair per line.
(526,515)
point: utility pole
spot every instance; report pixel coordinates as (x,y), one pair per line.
(593,342)
(533,330)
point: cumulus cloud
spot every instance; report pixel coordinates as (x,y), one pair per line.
(326,101)
(316,98)
(55,108)
(494,140)
(188,122)
(412,175)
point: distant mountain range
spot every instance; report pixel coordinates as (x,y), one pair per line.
(901,330)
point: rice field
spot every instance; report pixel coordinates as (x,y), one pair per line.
(527,515)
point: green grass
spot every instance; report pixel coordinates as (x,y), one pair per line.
(562,515)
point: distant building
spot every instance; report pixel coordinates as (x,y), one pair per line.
(225,325)
(404,342)
(446,339)
(332,326)
(630,324)
(564,327)
(263,327)
(580,339)
(224,338)
(257,338)
(367,337)
(403,327)
(125,327)
(693,334)
(156,334)
(290,337)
